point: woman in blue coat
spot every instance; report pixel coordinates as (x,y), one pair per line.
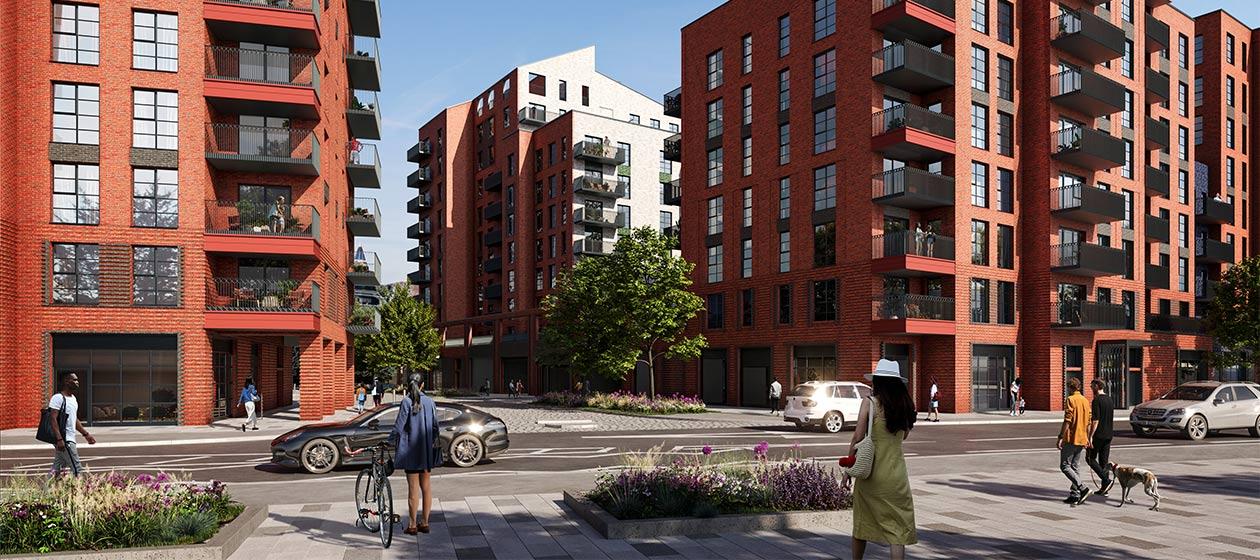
(415,435)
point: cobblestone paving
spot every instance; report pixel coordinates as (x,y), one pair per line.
(523,417)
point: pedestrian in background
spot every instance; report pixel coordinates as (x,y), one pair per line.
(1015,396)
(376,392)
(776,391)
(1073,438)
(883,509)
(934,403)
(415,436)
(360,397)
(520,387)
(250,400)
(66,450)
(1098,454)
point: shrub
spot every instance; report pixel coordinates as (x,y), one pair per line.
(621,401)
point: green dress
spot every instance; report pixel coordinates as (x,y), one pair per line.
(883,509)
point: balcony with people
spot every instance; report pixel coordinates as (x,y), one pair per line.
(918,252)
(262,222)
(363,165)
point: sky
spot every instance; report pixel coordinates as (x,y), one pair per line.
(436,53)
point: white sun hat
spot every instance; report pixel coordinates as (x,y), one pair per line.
(887,368)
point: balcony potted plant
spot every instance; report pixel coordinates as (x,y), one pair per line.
(279,295)
(359,266)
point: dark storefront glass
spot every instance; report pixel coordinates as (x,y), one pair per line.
(123,378)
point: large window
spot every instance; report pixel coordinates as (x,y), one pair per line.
(825,244)
(1005,246)
(825,187)
(715,166)
(785,36)
(714,112)
(1005,134)
(76,194)
(979,126)
(785,198)
(785,89)
(1183,93)
(1229,90)
(155,41)
(746,196)
(746,159)
(825,73)
(979,242)
(714,206)
(979,300)
(76,113)
(785,251)
(1183,143)
(715,264)
(155,198)
(1126,60)
(746,307)
(979,68)
(746,54)
(1005,303)
(980,16)
(715,69)
(155,119)
(1126,114)
(1005,78)
(785,304)
(1183,45)
(715,311)
(746,252)
(825,130)
(128,378)
(1005,190)
(1006,22)
(76,34)
(746,102)
(979,184)
(785,143)
(76,273)
(825,306)
(824,18)
(155,276)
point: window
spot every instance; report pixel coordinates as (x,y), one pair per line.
(715,264)
(824,18)
(1198,92)
(155,198)
(980,16)
(76,273)
(1229,173)
(715,167)
(1126,114)
(785,98)
(1183,230)
(746,97)
(785,143)
(1006,22)
(979,300)
(785,251)
(1198,49)
(1183,45)
(1183,143)
(979,184)
(747,208)
(155,276)
(1126,10)
(825,187)
(634,119)
(785,198)
(1229,132)
(564,90)
(1006,134)
(1005,247)
(76,34)
(1127,222)
(714,310)
(1183,92)
(715,69)
(1198,130)
(825,73)
(538,279)
(746,145)
(76,113)
(785,36)
(155,119)
(714,110)
(1126,60)
(714,206)
(825,300)
(76,194)
(825,244)
(1129,301)
(1126,170)
(979,242)
(1127,246)
(666,221)
(1006,190)
(537,84)
(1183,275)
(1005,78)
(746,259)
(1005,303)
(1183,187)
(155,41)
(746,308)
(1229,48)
(1229,90)
(979,68)
(655,123)
(979,126)
(746,53)
(586,96)
(785,304)
(825,130)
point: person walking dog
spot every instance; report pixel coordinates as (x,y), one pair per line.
(1073,438)
(415,436)
(1098,454)
(883,508)
(66,450)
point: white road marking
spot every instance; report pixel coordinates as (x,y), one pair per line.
(180,460)
(1012,438)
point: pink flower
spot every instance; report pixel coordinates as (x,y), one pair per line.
(707,450)
(761,449)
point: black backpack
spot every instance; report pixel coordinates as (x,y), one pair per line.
(46,433)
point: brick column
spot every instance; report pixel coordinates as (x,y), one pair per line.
(312,362)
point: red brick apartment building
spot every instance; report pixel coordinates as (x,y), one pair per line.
(1017,204)
(180,203)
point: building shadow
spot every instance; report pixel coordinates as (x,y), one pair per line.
(1234,485)
(967,544)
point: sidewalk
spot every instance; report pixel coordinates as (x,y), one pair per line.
(1018,514)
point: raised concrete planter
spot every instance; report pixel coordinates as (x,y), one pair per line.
(612,528)
(571,424)
(219,547)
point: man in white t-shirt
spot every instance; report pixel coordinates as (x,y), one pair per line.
(934,403)
(776,392)
(67,452)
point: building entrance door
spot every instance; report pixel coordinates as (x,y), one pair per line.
(992,370)
(713,376)
(221,365)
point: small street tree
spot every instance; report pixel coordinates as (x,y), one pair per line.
(610,313)
(1233,317)
(407,341)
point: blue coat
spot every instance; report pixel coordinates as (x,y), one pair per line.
(416,436)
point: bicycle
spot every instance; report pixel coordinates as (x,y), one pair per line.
(373,498)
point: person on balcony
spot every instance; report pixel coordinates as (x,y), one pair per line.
(276,217)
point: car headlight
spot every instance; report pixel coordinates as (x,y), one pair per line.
(1177,411)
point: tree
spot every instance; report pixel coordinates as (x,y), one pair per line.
(1233,317)
(407,341)
(612,312)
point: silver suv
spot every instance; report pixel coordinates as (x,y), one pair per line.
(1201,406)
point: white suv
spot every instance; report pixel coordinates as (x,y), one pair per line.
(830,404)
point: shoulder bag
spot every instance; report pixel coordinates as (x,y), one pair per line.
(46,432)
(865,449)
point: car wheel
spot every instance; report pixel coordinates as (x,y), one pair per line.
(320,456)
(466,451)
(1196,428)
(833,422)
(1143,431)
(1254,430)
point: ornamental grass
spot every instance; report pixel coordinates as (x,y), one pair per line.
(622,401)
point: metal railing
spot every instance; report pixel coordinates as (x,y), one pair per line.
(912,306)
(911,180)
(295,5)
(593,185)
(596,246)
(1095,314)
(1066,23)
(913,56)
(363,319)
(906,115)
(364,209)
(1068,138)
(261,218)
(913,242)
(251,65)
(943,7)
(362,154)
(367,47)
(362,100)
(600,150)
(672,145)
(1066,254)
(261,141)
(1066,197)
(673,103)
(243,294)
(535,115)
(369,264)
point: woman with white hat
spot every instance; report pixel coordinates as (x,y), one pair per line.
(883,509)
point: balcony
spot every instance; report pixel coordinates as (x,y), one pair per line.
(1086,259)
(494,291)
(594,246)
(600,217)
(909,253)
(673,147)
(293,23)
(493,264)
(1210,250)
(364,217)
(599,152)
(363,166)
(363,115)
(1087,37)
(1157,86)
(493,181)
(1088,148)
(422,227)
(365,17)
(419,177)
(911,133)
(1156,34)
(927,22)
(912,314)
(422,276)
(1205,290)
(1157,229)
(1178,324)
(1074,314)
(364,66)
(535,116)
(493,237)
(912,188)
(365,271)
(1156,134)
(419,150)
(1086,204)
(255,228)
(1212,210)
(254,82)
(364,319)
(912,67)
(1157,182)
(674,231)
(673,193)
(673,103)
(422,201)
(261,149)
(240,304)
(419,253)
(596,186)
(1086,92)
(1156,277)
(493,211)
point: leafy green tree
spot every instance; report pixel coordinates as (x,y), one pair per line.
(1233,317)
(408,341)
(612,312)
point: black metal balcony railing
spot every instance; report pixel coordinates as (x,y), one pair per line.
(363,165)
(1087,259)
(906,19)
(1087,92)
(249,217)
(595,246)
(912,67)
(493,264)
(912,306)
(913,243)
(1088,148)
(1084,203)
(251,65)
(673,147)
(913,188)
(673,231)
(1157,182)
(1157,86)
(606,217)
(599,187)
(363,65)
(1156,34)
(421,202)
(419,177)
(493,237)
(943,7)
(1205,290)
(422,227)
(906,115)
(599,152)
(364,217)
(1157,229)
(419,253)
(1211,250)
(1089,315)
(261,141)
(363,319)
(493,211)
(422,276)
(242,294)
(294,5)
(1174,323)
(1212,210)
(673,193)
(673,103)
(1087,37)
(1156,277)
(365,271)
(418,150)
(1157,134)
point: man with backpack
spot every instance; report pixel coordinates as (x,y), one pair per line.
(67,451)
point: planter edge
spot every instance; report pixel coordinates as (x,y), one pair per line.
(613,528)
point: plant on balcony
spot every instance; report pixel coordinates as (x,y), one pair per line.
(361,213)
(594,149)
(357,105)
(360,266)
(362,315)
(1233,316)
(252,215)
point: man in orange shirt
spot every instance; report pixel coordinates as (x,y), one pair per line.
(1073,439)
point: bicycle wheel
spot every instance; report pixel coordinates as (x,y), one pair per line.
(385,507)
(365,503)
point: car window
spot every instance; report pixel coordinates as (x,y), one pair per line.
(845,392)
(1188,393)
(387,418)
(446,414)
(1243,393)
(863,391)
(804,390)
(1226,394)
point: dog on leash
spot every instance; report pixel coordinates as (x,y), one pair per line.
(1128,477)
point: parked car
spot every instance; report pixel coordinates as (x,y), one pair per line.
(467,436)
(1199,407)
(826,404)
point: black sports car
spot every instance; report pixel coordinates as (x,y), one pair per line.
(467,436)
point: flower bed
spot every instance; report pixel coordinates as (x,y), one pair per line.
(626,402)
(110,510)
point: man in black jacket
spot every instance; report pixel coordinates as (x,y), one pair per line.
(1098,454)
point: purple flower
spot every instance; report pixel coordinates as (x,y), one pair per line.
(761,450)
(707,450)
